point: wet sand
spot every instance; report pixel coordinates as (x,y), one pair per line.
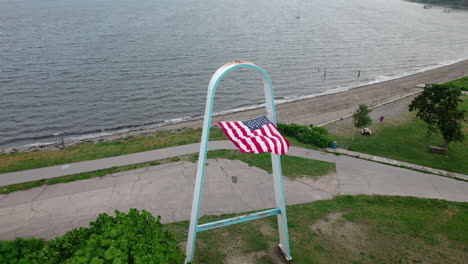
(321,109)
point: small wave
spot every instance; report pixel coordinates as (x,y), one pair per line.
(177,120)
(278,100)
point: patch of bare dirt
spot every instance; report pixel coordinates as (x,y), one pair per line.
(346,235)
(327,183)
(248,258)
(346,241)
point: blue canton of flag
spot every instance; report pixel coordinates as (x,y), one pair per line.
(256,136)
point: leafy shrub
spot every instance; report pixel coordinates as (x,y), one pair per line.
(14,251)
(316,135)
(126,238)
(321,130)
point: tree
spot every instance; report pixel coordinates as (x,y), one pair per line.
(361,117)
(438,107)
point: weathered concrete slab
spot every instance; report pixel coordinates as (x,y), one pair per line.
(358,176)
(230,186)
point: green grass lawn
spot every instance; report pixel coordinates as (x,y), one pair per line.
(90,151)
(293,167)
(461,83)
(347,229)
(410,142)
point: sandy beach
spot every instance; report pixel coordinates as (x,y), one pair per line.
(317,110)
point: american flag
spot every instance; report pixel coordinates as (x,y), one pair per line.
(256,136)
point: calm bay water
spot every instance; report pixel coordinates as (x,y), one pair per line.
(78,68)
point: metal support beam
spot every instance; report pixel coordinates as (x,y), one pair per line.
(276,162)
(238,219)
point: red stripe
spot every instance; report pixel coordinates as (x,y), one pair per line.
(240,135)
(254,145)
(285,143)
(279,133)
(242,138)
(277,130)
(234,132)
(273,133)
(256,141)
(257,145)
(261,133)
(226,131)
(276,140)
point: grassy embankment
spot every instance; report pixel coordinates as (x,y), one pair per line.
(408,142)
(90,151)
(347,229)
(461,83)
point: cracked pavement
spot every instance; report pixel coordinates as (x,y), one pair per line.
(231,186)
(165,190)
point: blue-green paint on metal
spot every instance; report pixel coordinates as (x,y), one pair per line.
(238,219)
(273,112)
(202,160)
(285,216)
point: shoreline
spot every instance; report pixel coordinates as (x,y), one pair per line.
(315,110)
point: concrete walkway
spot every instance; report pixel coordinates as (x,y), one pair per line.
(230,187)
(140,157)
(399,163)
(99,164)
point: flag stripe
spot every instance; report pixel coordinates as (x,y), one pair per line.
(243,136)
(235,132)
(261,134)
(256,136)
(257,143)
(228,131)
(270,142)
(278,142)
(278,135)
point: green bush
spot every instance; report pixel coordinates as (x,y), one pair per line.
(321,130)
(14,251)
(126,238)
(316,135)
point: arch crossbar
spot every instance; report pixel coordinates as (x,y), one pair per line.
(280,200)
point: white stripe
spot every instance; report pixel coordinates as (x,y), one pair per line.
(231,135)
(245,128)
(249,140)
(262,144)
(266,137)
(252,145)
(278,142)
(274,130)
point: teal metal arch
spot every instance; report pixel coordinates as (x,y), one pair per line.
(280,200)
